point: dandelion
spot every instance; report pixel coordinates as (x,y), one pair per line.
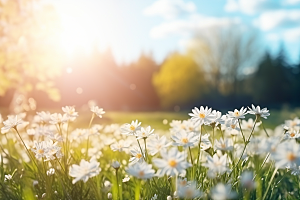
(84,170)
(98,111)
(264,113)
(173,162)
(141,170)
(201,116)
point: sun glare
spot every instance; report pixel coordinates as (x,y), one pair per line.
(83,28)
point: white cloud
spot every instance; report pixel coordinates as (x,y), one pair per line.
(278,19)
(192,25)
(252,6)
(292,35)
(292,2)
(170,9)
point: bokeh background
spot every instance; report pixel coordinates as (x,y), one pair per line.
(149,55)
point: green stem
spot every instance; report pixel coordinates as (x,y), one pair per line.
(265,129)
(87,141)
(199,146)
(191,156)
(146,154)
(273,175)
(242,130)
(141,149)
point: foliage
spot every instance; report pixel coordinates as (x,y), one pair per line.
(29,52)
(179,81)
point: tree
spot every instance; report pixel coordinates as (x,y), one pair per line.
(29,52)
(224,53)
(179,81)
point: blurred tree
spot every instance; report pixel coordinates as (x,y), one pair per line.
(224,53)
(179,81)
(29,52)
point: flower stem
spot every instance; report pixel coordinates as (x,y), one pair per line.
(265,129)
(273,175)
(242,131)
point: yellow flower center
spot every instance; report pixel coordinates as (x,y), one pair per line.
(141,174)
(183,183)
(40,151)
(132,128)
(292,134)
(138,155)
(184,140)
(223,145)
(232,126)
(291,156)
(236,113)
(202,115)
(172,163)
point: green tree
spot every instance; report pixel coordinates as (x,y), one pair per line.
(179,81)
(30,58)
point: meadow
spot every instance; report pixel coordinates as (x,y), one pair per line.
(243,153)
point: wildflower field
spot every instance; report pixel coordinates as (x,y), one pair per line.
(204,155)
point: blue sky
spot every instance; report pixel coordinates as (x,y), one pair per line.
(162,26)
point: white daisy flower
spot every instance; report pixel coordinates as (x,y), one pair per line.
(189,191)
(70,111)
(137,155)
(248,125)
(287,154)
(264,113)
(120,145)
(98,111)
(144,133)
(237,114)
(130,129)
(224,144)
(205,142)
(292,124)
(45,117)
(141,170)
(156,144)
(216,165)
(84,170)
(222,192)
(173,162)
(11,122)
(247,180)
(232,124)
(217,118)
(40,150)
(57,118)
(185,139)
(292,134)
(201,116)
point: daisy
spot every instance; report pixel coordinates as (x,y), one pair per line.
(156,144)
(173,162)
(292,124)
(287,154)
(222,192)
(44,116)
(144,133)
(137,155)
(70,111)
(201,116)
(141,170)
(189,191)
(40,150)
(11,122)
(216,165)
(185,139)
(292,134)
(259,112)
(247,180)
(130,129)
(217,118)
(232,124)
(84,170)
(237,114)
(248,125)
(205,142)
(120,145)
(57,118)
(98,111)
(224,144)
